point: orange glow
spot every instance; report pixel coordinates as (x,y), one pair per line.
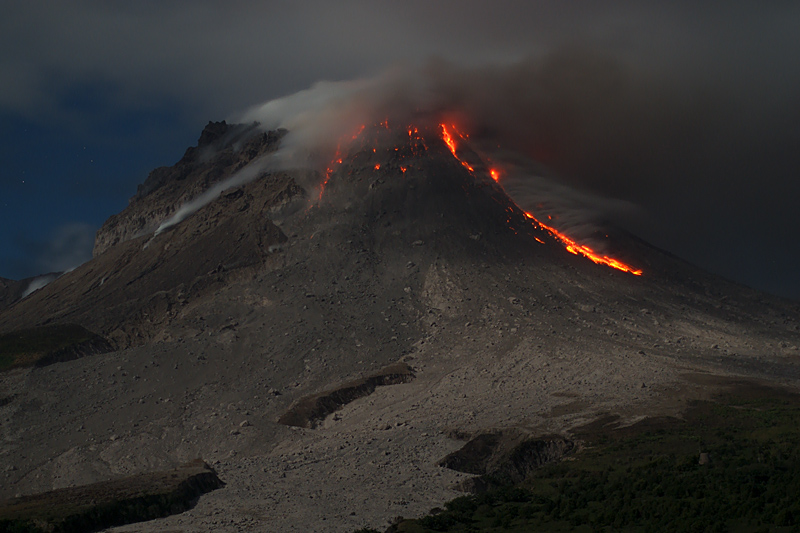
(448,140)
(449,133)
(337,160)
(329,172)
(451,144)
(571,246)
(581,249)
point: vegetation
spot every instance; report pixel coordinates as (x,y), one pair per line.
(46,344)
(649,477)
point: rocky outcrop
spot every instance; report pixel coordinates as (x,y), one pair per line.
(504,457)
(95,345)
(222,150)
(111,503)
(308,412)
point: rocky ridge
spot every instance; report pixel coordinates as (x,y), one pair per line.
(221,151)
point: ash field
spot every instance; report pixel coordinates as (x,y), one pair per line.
(324,349)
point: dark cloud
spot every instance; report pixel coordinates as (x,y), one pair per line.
(710,169)
(222,57)
(69,247)
(686,110)
(66,248)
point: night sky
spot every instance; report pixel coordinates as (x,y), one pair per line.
(687,112)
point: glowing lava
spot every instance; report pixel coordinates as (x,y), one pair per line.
(581,249)
(337,160)
(570,244)
(450,140)
(451,144)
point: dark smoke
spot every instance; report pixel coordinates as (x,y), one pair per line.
(686,160)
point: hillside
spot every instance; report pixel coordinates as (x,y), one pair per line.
(277,295)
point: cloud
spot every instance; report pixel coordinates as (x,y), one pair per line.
(68,247)
(221,58)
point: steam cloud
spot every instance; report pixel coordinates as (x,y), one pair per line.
(554,110)
(69,247)
(250,172)
(665,150)
(670,151)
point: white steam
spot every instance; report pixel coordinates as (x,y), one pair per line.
(318,118)
(69,247)
(583,114)
(38,283)
(567,100)
(247,174)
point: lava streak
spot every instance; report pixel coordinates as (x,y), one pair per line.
(451,144)
(581,249)
(570,244)
(337,160)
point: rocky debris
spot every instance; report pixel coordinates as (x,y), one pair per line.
(504,457)
(309,411)
(110,503)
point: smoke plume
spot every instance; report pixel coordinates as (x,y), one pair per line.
(533,118)
(68,247)
(666,150)
(251,171)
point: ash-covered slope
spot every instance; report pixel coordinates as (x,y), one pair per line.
(271,297)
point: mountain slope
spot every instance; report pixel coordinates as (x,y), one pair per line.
(273,294)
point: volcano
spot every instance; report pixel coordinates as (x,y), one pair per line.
(325,339)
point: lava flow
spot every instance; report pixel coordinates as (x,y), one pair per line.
(337,160)
(451,144)
(570,244)
(449,135)
(581,249)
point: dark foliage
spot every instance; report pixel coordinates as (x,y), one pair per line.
(650,478)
